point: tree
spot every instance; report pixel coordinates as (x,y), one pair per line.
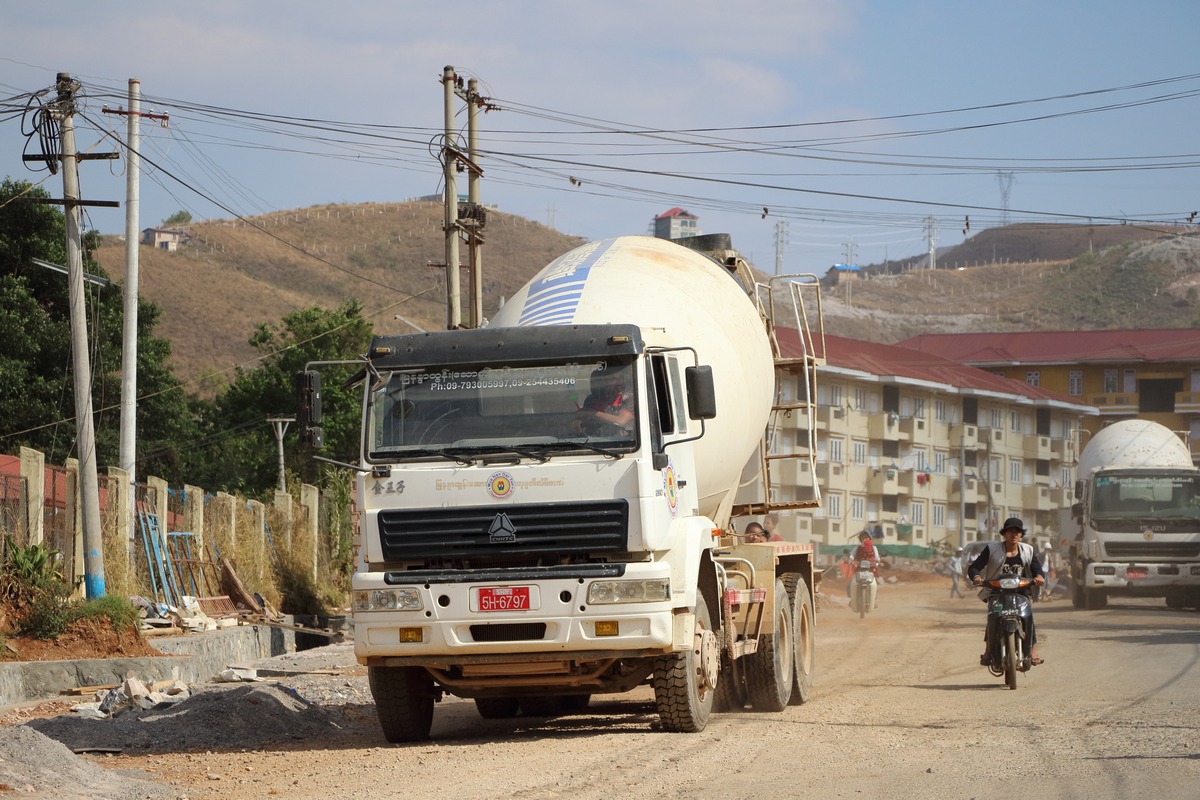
(37,406)
(244,454)
(178,218)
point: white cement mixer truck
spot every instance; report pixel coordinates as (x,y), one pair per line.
(1139,518)
(545,502)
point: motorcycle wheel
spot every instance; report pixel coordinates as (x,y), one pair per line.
(1010,659)
(864,597)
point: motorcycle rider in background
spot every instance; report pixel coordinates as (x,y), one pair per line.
(865,552)
(1009,557)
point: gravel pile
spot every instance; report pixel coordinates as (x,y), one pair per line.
(33,765)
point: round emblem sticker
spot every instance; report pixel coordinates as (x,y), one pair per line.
(500,485)
(671,489)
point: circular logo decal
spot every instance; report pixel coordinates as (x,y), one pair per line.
(500,485)
(672,490)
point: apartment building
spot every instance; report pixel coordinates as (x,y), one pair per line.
(1145,373)
(921,449)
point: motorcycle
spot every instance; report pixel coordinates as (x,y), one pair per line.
(863,588)
(1010,612)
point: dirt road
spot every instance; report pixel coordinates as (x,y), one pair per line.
(900,709)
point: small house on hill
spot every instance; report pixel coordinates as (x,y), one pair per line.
(167,239)
(676,224)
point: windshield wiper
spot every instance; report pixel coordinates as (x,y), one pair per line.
(577,445)
(430,451)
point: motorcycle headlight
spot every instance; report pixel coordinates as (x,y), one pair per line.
(1010,583)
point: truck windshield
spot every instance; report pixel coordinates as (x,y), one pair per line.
(537,411)
(1155,496)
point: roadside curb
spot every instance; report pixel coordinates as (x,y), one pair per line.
(192,658)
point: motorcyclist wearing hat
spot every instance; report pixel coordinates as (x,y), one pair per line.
(1010,556)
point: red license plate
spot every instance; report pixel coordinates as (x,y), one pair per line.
(504,598)
(1134,573)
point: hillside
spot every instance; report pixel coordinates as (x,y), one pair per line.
(231,277)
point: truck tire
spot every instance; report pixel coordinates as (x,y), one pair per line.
(770,669)
(497,707)
(1077,597)
(544,706)
(576,703)
(685,683)
(1094,599)
(1176,597)
(804,647)
(404,702)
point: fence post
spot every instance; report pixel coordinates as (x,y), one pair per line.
(120,503)
(310,498)
(258,515)
(33,501)
(157,496)
(193,517)
(74,514)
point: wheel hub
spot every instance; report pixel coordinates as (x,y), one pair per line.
(708,657)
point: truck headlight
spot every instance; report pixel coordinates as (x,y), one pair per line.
(388,600)
(648,591)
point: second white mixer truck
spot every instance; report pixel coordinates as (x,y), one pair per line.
(1138,516)
(545,502)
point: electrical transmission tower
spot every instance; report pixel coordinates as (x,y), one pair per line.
(931,235)
(1005,179)
(781,241)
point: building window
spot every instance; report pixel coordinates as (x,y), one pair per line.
(917,509)
(1033,377)
(860,398)
(835,450)
(1014,470)
(1014,421)
(860,452)
(833,506)
(995,468)
(919,407)
(1130,381)
(997,418)
(939,462)
(858,507)
(835,395)
(1075,382)
(939,410)
(1110,381)
(939,515)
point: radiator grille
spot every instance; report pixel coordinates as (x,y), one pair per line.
(495,532)
(1152,550)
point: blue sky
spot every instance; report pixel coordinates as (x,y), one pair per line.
(823,113)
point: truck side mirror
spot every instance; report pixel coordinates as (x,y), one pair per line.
(701,392)
(1077,510)
(1078,490)
(308,398)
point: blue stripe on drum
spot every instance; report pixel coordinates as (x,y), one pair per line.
(554,298)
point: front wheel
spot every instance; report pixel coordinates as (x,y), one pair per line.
(769,668)
(404,702)
(864,599)
(1094,599)
(685,683)
(1010,659)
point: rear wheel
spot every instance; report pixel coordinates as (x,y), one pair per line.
(769,670)
(684,683)
(1010,659)
(1094,599)
(404,702)
(804,648)
(497,707)
(575,703)
(549,706)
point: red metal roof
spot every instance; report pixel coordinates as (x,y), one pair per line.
(676,212)
(1147,345)
(885,360)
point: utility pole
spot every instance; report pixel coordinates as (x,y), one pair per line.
(850,255)
(931,233)
(89,485)
(280,424)
(450,225)
(962,487)
(475,218)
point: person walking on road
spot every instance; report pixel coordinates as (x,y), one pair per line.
(956,571)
